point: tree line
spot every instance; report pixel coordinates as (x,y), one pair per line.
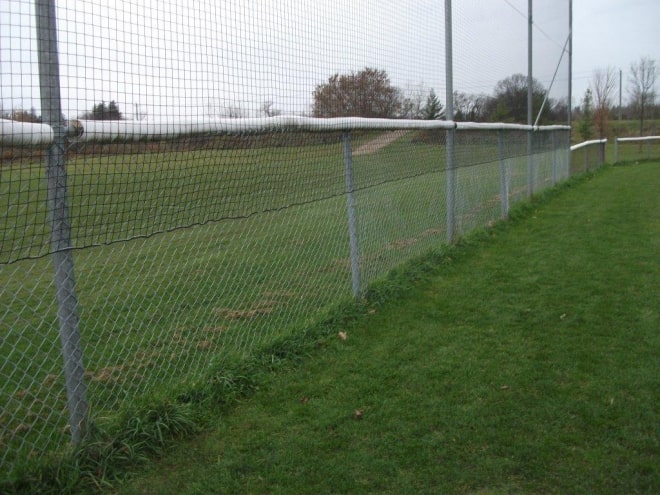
(598,106)
(370,93)
(100,111)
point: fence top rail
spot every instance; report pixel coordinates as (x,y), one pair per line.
(500,126)
(584,144)
(14,133)
(642,138)
(29,134)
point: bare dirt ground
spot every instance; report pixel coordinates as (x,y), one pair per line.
(380,142)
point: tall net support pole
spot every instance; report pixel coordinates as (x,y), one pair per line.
(352,221)
(570,76)
(58,211)
(449,106)
(530,103)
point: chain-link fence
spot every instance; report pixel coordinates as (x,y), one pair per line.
(636,148)
(178,193)
(588,155)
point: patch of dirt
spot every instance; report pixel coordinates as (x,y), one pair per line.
(404,243)
(122,372)
(380,142)
(216,329)
(239,314)
(264,307)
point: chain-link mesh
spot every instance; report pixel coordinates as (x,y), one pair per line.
(588,155)
(199,242)
(634,149)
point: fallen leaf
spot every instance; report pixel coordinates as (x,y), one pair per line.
(342,335)
(358,413)
(504,387)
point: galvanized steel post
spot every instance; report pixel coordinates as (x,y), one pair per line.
(60,223)
(504,183)
(554,157)
(616,149)
(352,221)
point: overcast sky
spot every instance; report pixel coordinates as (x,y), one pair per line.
(203,58)
(612,33)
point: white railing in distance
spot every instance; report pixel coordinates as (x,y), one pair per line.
(642,139)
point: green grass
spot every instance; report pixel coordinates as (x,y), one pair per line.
(628,128)
(523,361)
(621,128)
(162,314)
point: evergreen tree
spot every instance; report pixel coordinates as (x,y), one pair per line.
(586,126)
(103,111)
(113,112)
(433,109)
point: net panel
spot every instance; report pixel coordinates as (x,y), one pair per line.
(194,250)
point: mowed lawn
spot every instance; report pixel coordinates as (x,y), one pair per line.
(525,360)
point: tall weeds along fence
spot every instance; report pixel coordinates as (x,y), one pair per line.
(215,216)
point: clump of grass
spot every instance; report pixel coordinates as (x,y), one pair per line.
(108,450)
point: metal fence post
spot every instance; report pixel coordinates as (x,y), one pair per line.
(504,183)
(616,150)
(451,188)
(586,158)
(553,135)
(569,156)
(352,222)
(530,165)
(60,224)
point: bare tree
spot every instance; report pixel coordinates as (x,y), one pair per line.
(412,105)
(268,109)
(470,107)
(368,93)
(603,85)
(642,88)
(234,111)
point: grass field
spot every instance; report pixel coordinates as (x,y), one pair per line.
(162,311)
(523,361)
